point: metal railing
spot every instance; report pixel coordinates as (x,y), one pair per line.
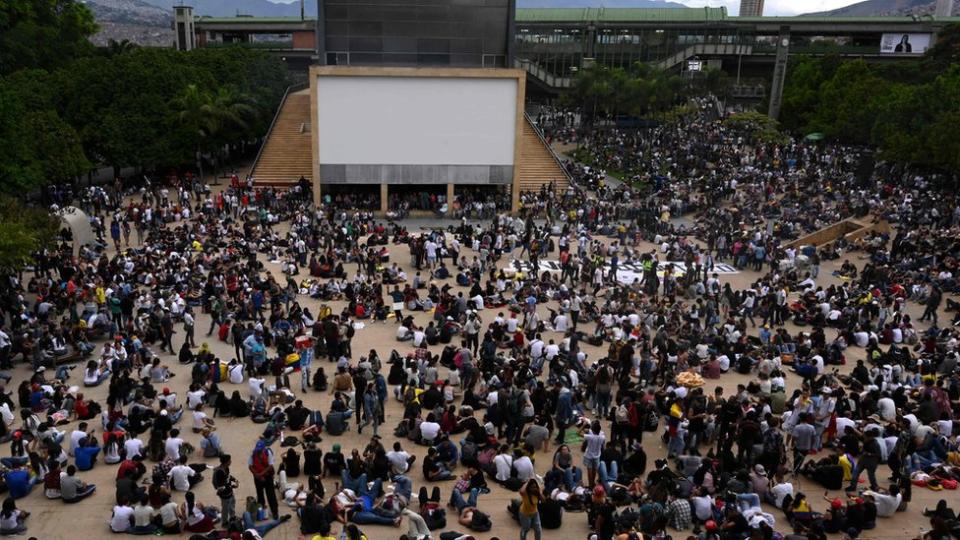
(295,87)
(553,153)
(705,48)
(548,78)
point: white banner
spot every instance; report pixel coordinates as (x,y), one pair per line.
(904,43)
(627,273)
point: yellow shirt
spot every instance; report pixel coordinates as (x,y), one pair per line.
(528,505)
(318,537)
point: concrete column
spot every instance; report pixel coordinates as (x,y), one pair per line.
(450,195)
(317,197)
(944,8)
(779,72)
(384,198)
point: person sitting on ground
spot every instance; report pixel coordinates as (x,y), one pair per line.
(72,489)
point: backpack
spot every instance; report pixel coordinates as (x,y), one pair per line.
(480,522)
(551,514)
(652,421)
(291,462)
(435,518)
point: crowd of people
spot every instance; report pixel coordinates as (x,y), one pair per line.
(546,354)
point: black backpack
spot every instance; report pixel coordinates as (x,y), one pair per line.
(551,514)
(436,519)
(291,462)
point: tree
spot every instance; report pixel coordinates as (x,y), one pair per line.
(23,230)
(43,33)
(757,127)
(38,146)
(213,119)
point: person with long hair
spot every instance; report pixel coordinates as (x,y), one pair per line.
(12,519)
(197,517)
(529,512)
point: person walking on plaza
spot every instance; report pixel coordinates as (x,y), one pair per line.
(868,461)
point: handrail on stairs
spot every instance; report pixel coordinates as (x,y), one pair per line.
(553,153)
(290,89)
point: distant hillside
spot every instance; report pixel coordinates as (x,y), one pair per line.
(230,8)
(872,8)
(598,3)
(149,22)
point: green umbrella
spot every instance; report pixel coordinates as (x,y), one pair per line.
(817,136)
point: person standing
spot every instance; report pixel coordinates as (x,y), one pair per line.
(592,447)
(371,408)
(261,467)
(306,358)
(803,435)
(529,512)
(397,297)
(868,461)
(188,324)
(224,483)
(933,303)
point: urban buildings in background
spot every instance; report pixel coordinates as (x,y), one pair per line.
(751,8)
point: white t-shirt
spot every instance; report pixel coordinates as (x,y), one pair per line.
(195,398)
(170,400)
(236,374)
(780,491)
(503,462)
(172,447)
(524,468)
(594,444)
(122,518)
(702,507)
(10,522)
(198,418)
(888,409)
(181,475)
(429,430)
(133,447)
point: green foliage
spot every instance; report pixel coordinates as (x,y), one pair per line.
(23,230)
(910,110)
(38,146)
(640,90)
(757,127)
(43,33)
(119,109)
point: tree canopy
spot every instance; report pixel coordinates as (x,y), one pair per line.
(909,110)
(67,107)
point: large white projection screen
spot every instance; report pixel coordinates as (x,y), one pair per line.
(366,120)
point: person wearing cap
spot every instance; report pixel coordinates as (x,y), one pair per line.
(261,466)
(835,518)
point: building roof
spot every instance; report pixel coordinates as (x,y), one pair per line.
(841,20)
(585,15)
(257,20)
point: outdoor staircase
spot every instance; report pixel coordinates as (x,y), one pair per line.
(538,164)
(286,155)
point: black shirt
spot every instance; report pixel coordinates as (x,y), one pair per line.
(334,463)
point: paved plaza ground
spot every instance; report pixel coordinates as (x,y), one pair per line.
(52,519)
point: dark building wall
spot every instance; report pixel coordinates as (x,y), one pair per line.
(456,33)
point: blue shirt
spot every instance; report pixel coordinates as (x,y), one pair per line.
(85,456)
(18,483)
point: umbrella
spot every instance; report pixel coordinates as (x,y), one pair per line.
(817,136)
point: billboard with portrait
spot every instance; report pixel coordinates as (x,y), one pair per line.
(904,43)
